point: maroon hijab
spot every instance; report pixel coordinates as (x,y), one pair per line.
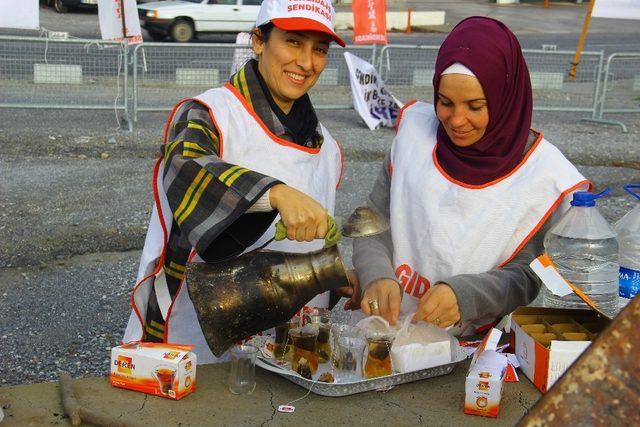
(489,49)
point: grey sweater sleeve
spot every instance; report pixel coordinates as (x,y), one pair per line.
(373,256)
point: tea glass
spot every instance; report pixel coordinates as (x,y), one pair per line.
(304,360)
(339,330)
(322,318)
(351,351)
(378,355)
(242,377)
(282,344)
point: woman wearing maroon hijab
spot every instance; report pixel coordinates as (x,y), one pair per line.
(469,189)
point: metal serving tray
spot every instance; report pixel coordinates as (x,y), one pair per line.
(348,386)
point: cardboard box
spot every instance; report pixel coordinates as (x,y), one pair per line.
(548,340)
(167,370)
(483,386)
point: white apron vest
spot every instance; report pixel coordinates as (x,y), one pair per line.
(245,141)
(442,227)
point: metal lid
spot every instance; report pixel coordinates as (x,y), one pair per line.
(364,222)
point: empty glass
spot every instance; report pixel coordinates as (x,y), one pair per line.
(339,330)
(242,378)
(350,353)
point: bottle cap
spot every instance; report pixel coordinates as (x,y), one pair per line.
(587,198)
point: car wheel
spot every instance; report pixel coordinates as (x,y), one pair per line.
(158,37)
(182,31)
(59,6)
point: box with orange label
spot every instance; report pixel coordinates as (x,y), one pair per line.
(483,386)
(167,370)
(548,340)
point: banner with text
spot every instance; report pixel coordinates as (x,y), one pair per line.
(110,17)
(369,21)
(371,100)
(21,14)
(620,9)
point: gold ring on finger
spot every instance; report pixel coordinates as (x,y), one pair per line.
(373,305)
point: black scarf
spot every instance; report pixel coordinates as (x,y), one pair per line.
(301,123)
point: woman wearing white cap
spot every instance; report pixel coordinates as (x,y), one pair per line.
(235,160)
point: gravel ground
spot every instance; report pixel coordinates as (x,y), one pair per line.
(75,201)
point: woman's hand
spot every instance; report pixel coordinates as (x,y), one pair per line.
(304,218)
(353,291)
(386,293)
(439,306)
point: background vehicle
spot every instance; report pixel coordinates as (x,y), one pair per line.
(63,6)
(182,20)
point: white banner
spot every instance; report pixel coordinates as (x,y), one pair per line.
(110,17)
(619,9)
(371,100)
(21,14)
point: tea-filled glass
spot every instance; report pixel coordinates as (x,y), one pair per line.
(322,318)
(282,344)
(304,359)
(378,359)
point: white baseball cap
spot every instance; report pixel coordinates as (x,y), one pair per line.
(300,15)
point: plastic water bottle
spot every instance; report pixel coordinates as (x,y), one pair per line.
(628,229)
(584,248)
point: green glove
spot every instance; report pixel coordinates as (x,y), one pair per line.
(333,234)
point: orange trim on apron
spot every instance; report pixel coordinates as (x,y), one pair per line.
(536,144)
(407,105)
(160,262)
(545,217)
(265,128)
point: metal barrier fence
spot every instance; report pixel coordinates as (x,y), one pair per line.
(408,73)
(164,73)
(63,74)
(92,74)
(622,83)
